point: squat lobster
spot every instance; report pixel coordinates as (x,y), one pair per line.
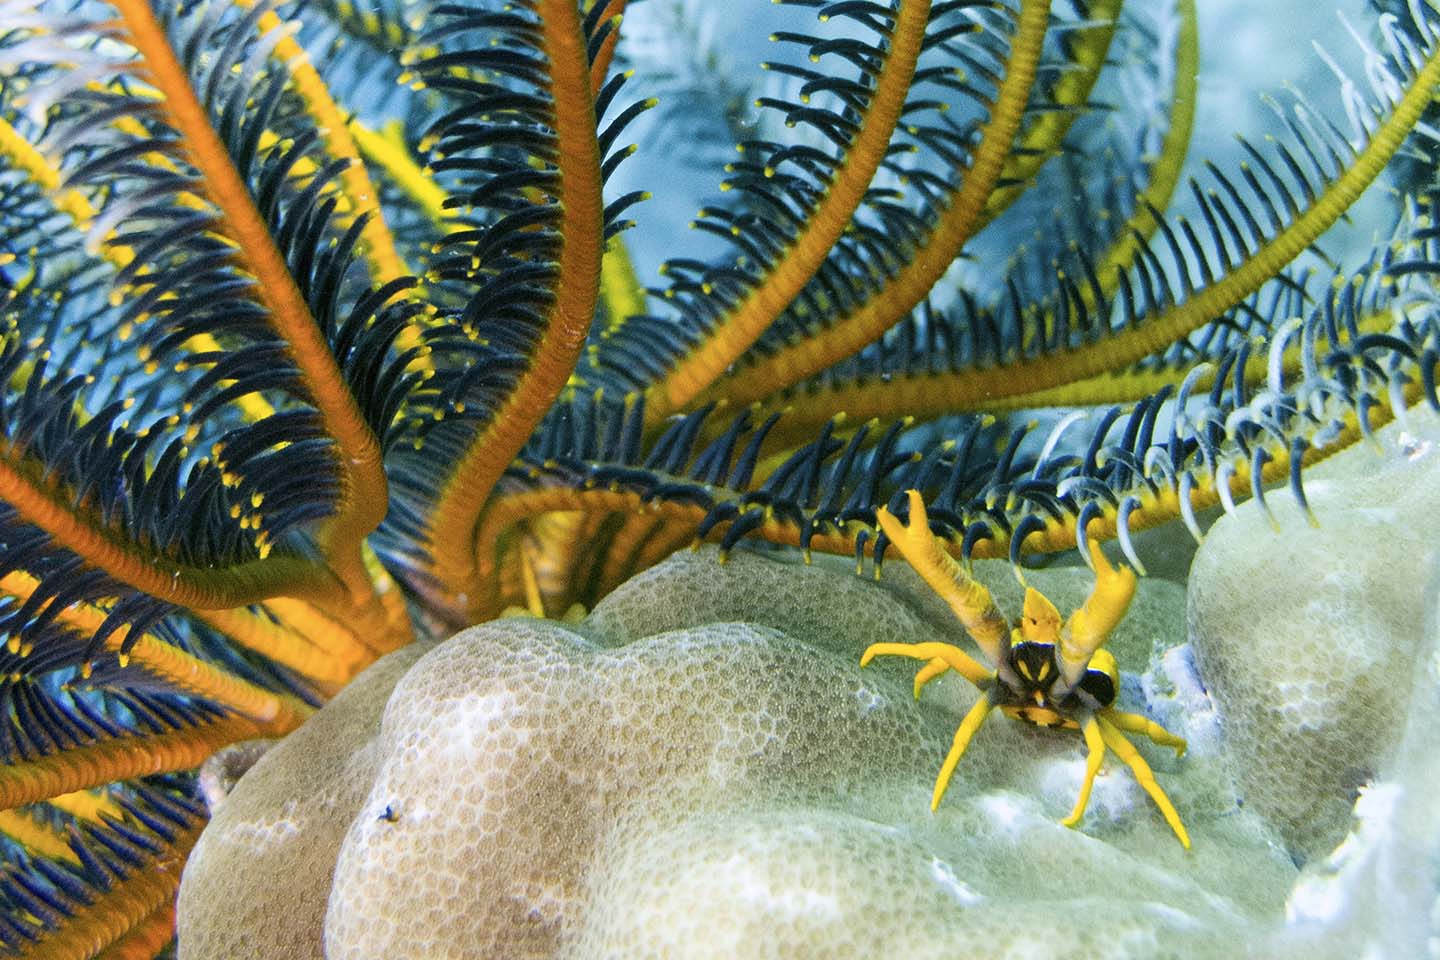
(1046,673)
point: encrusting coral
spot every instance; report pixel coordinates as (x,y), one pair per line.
(701,768)
(1314,673)
(697,768)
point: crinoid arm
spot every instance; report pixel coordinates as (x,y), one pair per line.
(1089,627)
(1126,751)
(969,600)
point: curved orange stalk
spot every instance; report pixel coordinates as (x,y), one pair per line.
(452,523)
(126,757)
(146,938)
(789,271)
(600,67)
(188,674)
(194,587)
(902,292)
(1151,335)
(363,497)
(246,629)
(126,905)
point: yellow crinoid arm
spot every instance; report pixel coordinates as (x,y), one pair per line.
(1126,751)
(952,657)
(970,601)
(1088,627)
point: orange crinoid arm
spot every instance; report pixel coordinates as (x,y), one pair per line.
(559,331)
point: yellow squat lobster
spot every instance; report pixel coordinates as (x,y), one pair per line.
(1046,673)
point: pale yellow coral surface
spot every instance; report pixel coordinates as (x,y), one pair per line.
(702,769)
(257,883)
(1312,639)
